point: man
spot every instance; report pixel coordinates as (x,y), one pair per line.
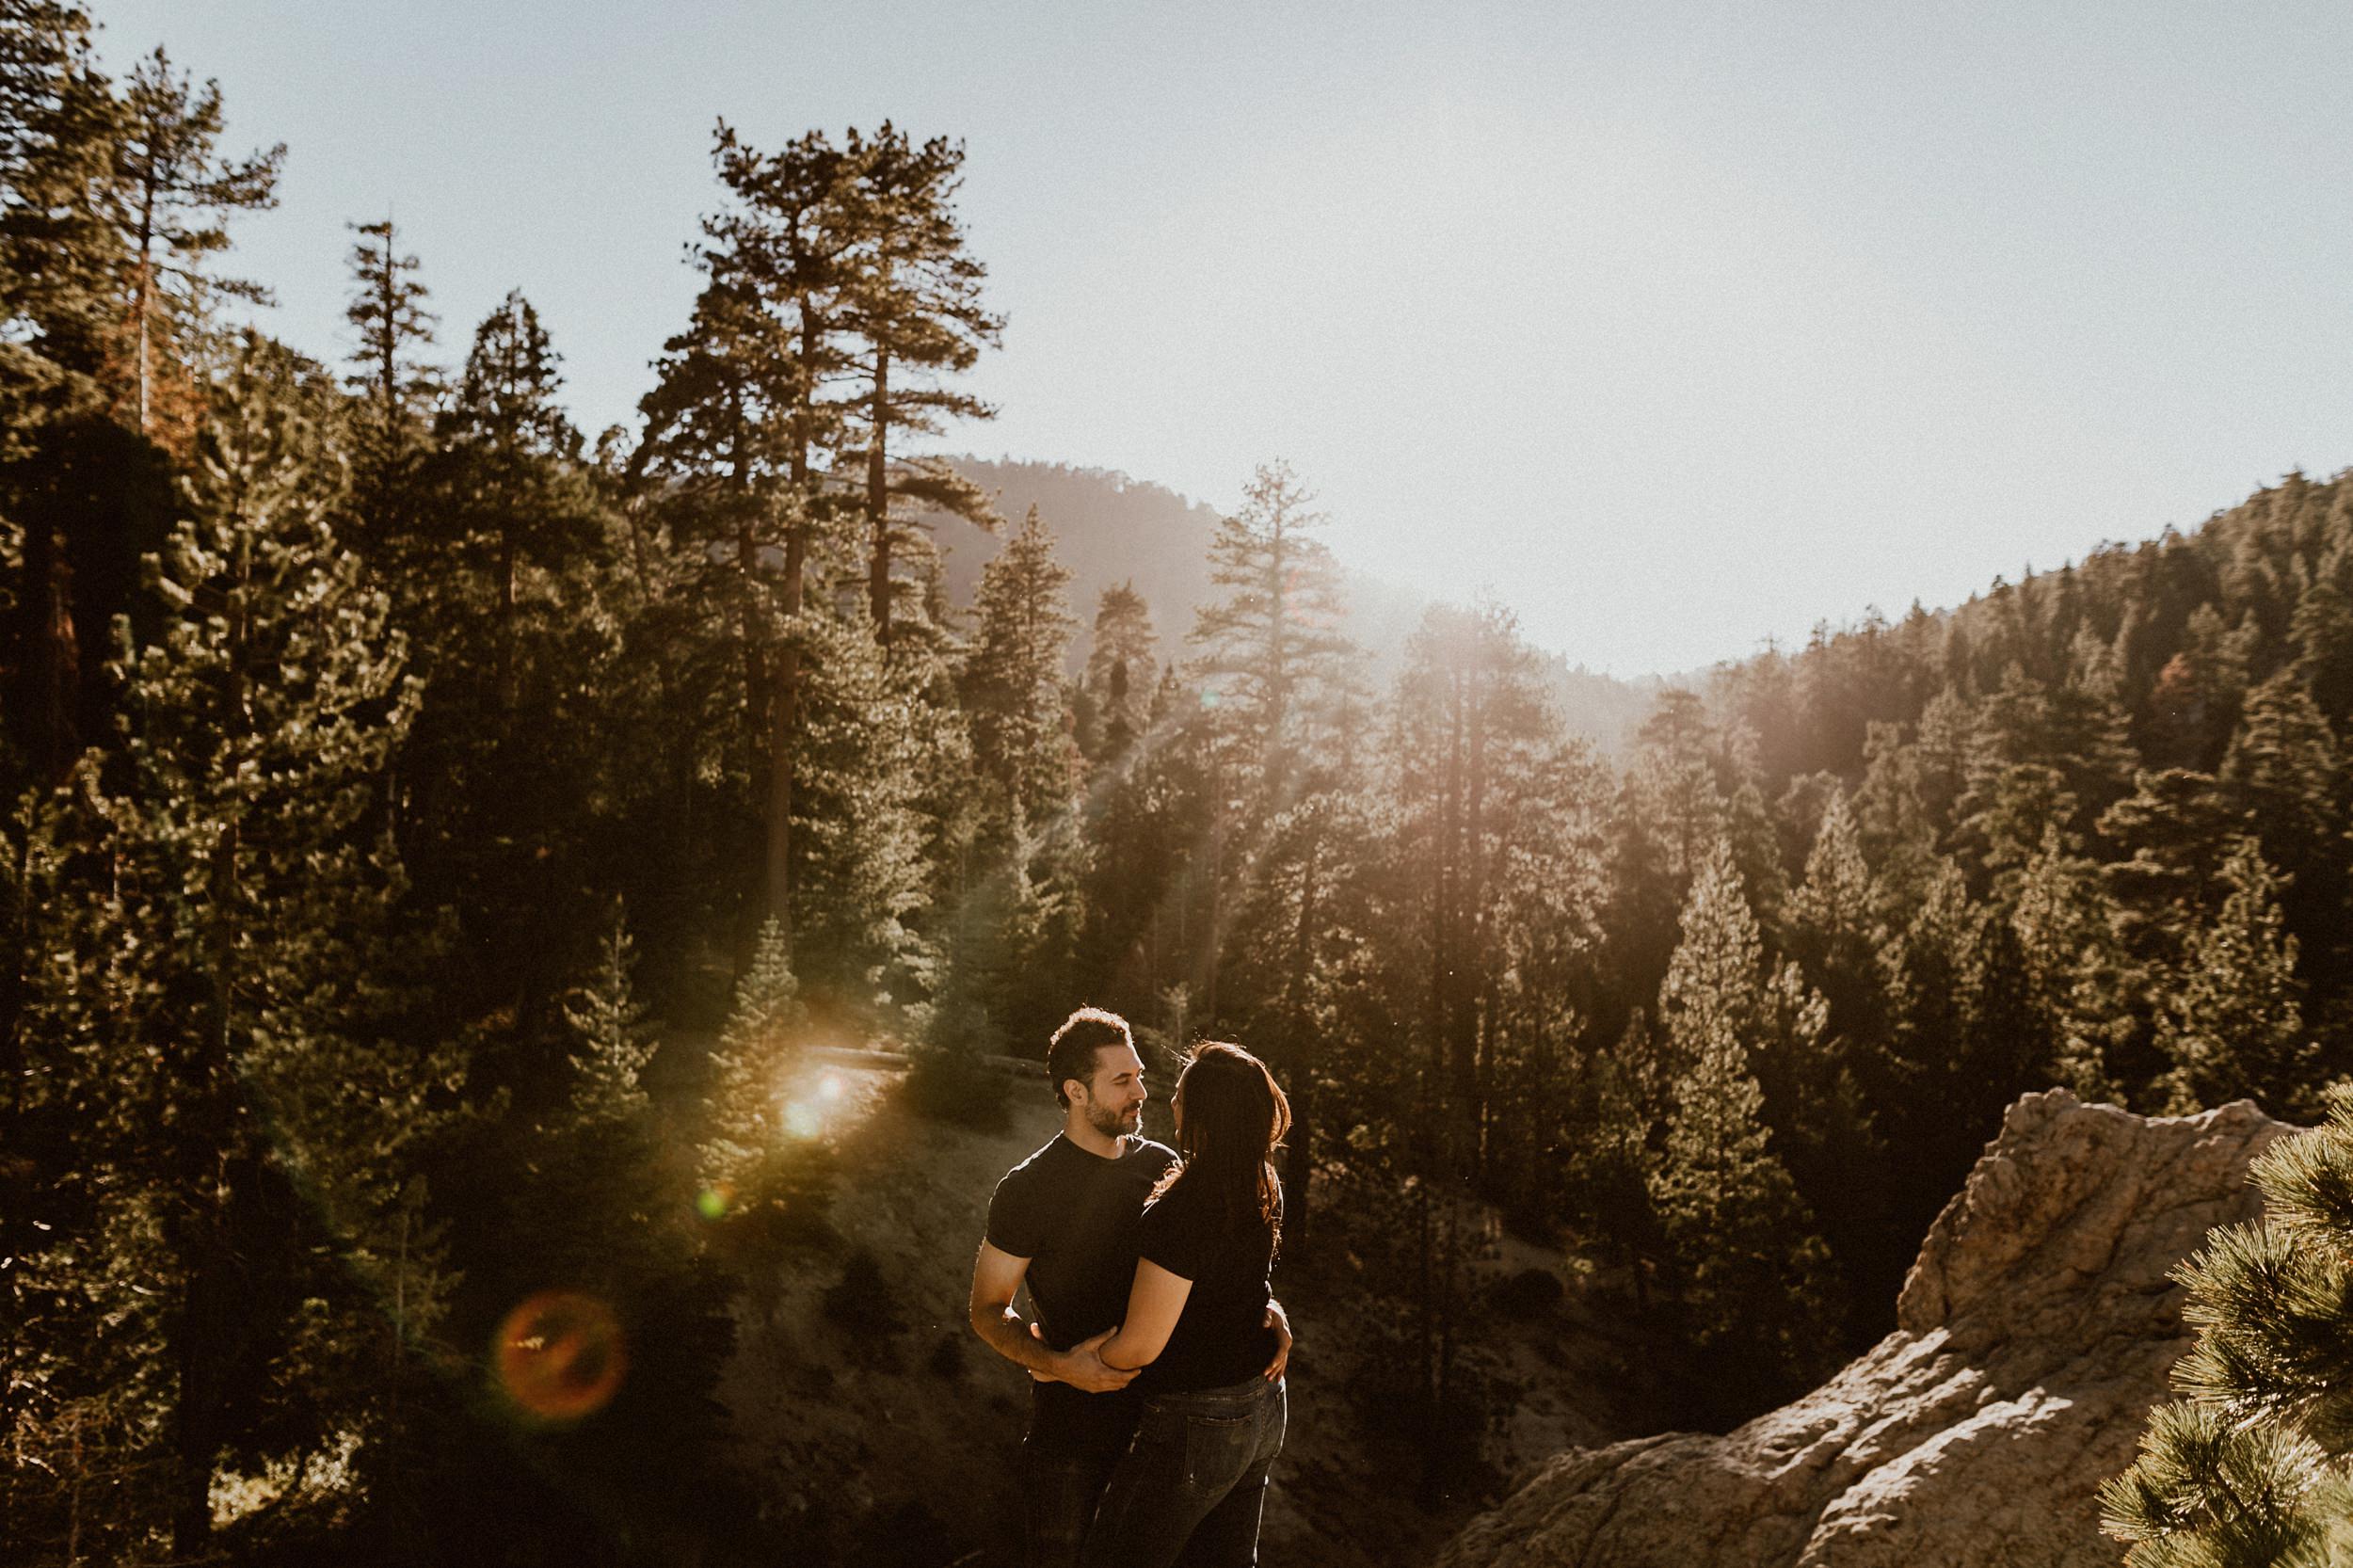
(1064,1221)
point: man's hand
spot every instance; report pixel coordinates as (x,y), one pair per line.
(1281,1324)
(1081,1366)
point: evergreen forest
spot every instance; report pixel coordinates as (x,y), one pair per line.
(430,828)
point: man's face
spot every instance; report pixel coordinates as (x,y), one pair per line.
(1114,1099)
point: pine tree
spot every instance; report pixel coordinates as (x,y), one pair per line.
(996,926)
(2234,1025)
(859,876)
(2065,940)
(2249,1468)
(80,499)
(60,260)
(837,751)
(760,1154)
(219,1015)
(2284,772)
(1814,1099)
(1146,814)
(601,1205)
(2039,757)
(1908,803)
(1469,753)
(395,384)
(713,479)
(509,472)
(2198,693)
(782,265)
(1960,1049)
(1270,645)
(915,305)
(1121,672)
(171,195)
(1831,923)
(2173,834)
(1676,774)
(1273,670)
(1757,1281)
(1300,947)
(613,1040)
(1467,757)
(2323,635)
(1013,681)
(504,566)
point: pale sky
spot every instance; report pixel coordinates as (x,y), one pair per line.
(1676,326)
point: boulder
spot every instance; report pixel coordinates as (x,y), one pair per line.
(2034,1333)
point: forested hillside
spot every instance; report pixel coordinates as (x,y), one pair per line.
(1113,531)
(392,769)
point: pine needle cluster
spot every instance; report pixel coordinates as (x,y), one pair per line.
(2249,1466)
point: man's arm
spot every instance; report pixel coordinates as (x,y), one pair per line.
(1279,1320)
(996,1279)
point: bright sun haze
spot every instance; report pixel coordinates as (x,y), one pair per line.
(1678,327)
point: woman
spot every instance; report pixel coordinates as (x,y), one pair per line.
(1194,1479)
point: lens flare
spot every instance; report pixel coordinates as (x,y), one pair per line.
(713,1202)
(560,1355)
(803,1121)
(832,1088)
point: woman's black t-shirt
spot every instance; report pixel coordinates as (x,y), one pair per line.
(1222,1337)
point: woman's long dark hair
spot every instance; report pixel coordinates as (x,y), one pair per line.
(1235,1116)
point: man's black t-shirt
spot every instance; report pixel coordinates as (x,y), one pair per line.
(1075,1215)
(1222,1337)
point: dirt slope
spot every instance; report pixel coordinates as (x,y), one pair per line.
(884,1433)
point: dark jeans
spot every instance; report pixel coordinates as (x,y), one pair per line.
(1191,1486)
(1074,1443)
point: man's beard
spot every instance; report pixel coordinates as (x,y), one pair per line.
(1109,1122)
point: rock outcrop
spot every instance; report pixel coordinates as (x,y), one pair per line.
(2034,1333)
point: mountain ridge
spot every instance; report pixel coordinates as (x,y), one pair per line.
(1111,527)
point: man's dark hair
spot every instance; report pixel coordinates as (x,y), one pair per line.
(1071,1053)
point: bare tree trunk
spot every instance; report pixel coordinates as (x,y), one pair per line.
(145,299)
(786,709)
(48,654)
(878,502)
(1473,1086)
(1305,1053)
(19,1177)
(209,1295)
(73,1503)
(785,702)
(506,671)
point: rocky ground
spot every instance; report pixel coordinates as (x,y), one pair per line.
(884,1433)
(2035,1331)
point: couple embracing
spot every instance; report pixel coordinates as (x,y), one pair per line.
(1157,1356)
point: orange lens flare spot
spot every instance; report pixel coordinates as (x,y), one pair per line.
(560,1355)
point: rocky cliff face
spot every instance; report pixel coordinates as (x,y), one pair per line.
(2034,1332)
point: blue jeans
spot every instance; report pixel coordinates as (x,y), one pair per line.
(1191,1485)
(1074,1443)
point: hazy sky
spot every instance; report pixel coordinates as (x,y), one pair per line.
(1677,327)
